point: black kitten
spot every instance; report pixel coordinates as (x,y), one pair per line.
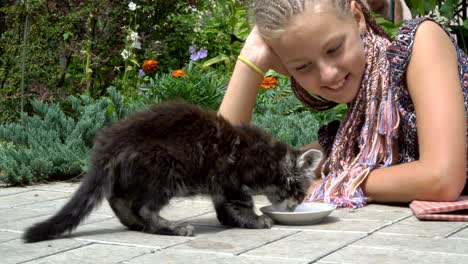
(178,149)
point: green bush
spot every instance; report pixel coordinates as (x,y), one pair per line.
(204,88)
(54,142)
(289,121)
(9,108)
(297,129)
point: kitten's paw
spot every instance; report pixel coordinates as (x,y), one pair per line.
(264,221)
(185,230)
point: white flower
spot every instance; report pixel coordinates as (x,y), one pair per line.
(132,6)
(136,44)
(134,36)
(135,39)
(125,54)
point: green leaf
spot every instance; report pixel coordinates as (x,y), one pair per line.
(215,60)
(135,62)
(67,35)
(447,10)
(241,27)
(110,109)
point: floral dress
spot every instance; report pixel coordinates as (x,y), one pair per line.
(399,54)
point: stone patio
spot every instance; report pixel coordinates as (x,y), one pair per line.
(373,234)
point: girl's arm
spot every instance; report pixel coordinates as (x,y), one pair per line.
(239,101)
(434,85)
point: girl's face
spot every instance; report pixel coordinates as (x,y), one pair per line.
(324,53)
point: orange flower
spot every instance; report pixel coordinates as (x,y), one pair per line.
(269,82)
(179,73)
(150,65)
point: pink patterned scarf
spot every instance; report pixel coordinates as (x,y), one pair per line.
(367,134)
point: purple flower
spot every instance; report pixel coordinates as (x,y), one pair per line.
(200,54)
(192,49)
(141,72)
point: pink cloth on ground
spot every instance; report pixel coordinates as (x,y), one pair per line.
(441,211)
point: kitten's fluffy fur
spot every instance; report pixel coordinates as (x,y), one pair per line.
(177,149)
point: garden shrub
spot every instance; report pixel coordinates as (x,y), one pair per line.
(297,129)
(289,121)
(204,88)
(54,142)
(9,108)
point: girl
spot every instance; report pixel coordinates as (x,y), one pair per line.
(380,151)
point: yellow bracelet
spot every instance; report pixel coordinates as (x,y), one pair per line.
(251,65)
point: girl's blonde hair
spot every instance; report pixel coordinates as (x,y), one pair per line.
(272,16)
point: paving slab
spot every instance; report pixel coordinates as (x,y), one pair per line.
(92,254)
(399,207)
(14,214)
(7,236)
(34,196)
(411,243)
(195,257)
(377,233)
(68,187)
(372,255)
(177,209)
(53,206)
(334,223)
(113,232)
(415,227)
(234,241)
(461,234)
(15,251)
(21,224)
(373,215)
(309,246)
(13,190)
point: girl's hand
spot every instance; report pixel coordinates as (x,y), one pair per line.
(259,53)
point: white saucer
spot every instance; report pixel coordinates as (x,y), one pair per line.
(304,214)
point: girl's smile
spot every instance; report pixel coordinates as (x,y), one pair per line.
(340,85)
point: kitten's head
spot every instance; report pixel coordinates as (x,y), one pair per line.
(298,175)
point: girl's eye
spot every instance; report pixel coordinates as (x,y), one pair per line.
(302,67)
(334,50)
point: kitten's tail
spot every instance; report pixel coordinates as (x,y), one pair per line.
(84,200)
